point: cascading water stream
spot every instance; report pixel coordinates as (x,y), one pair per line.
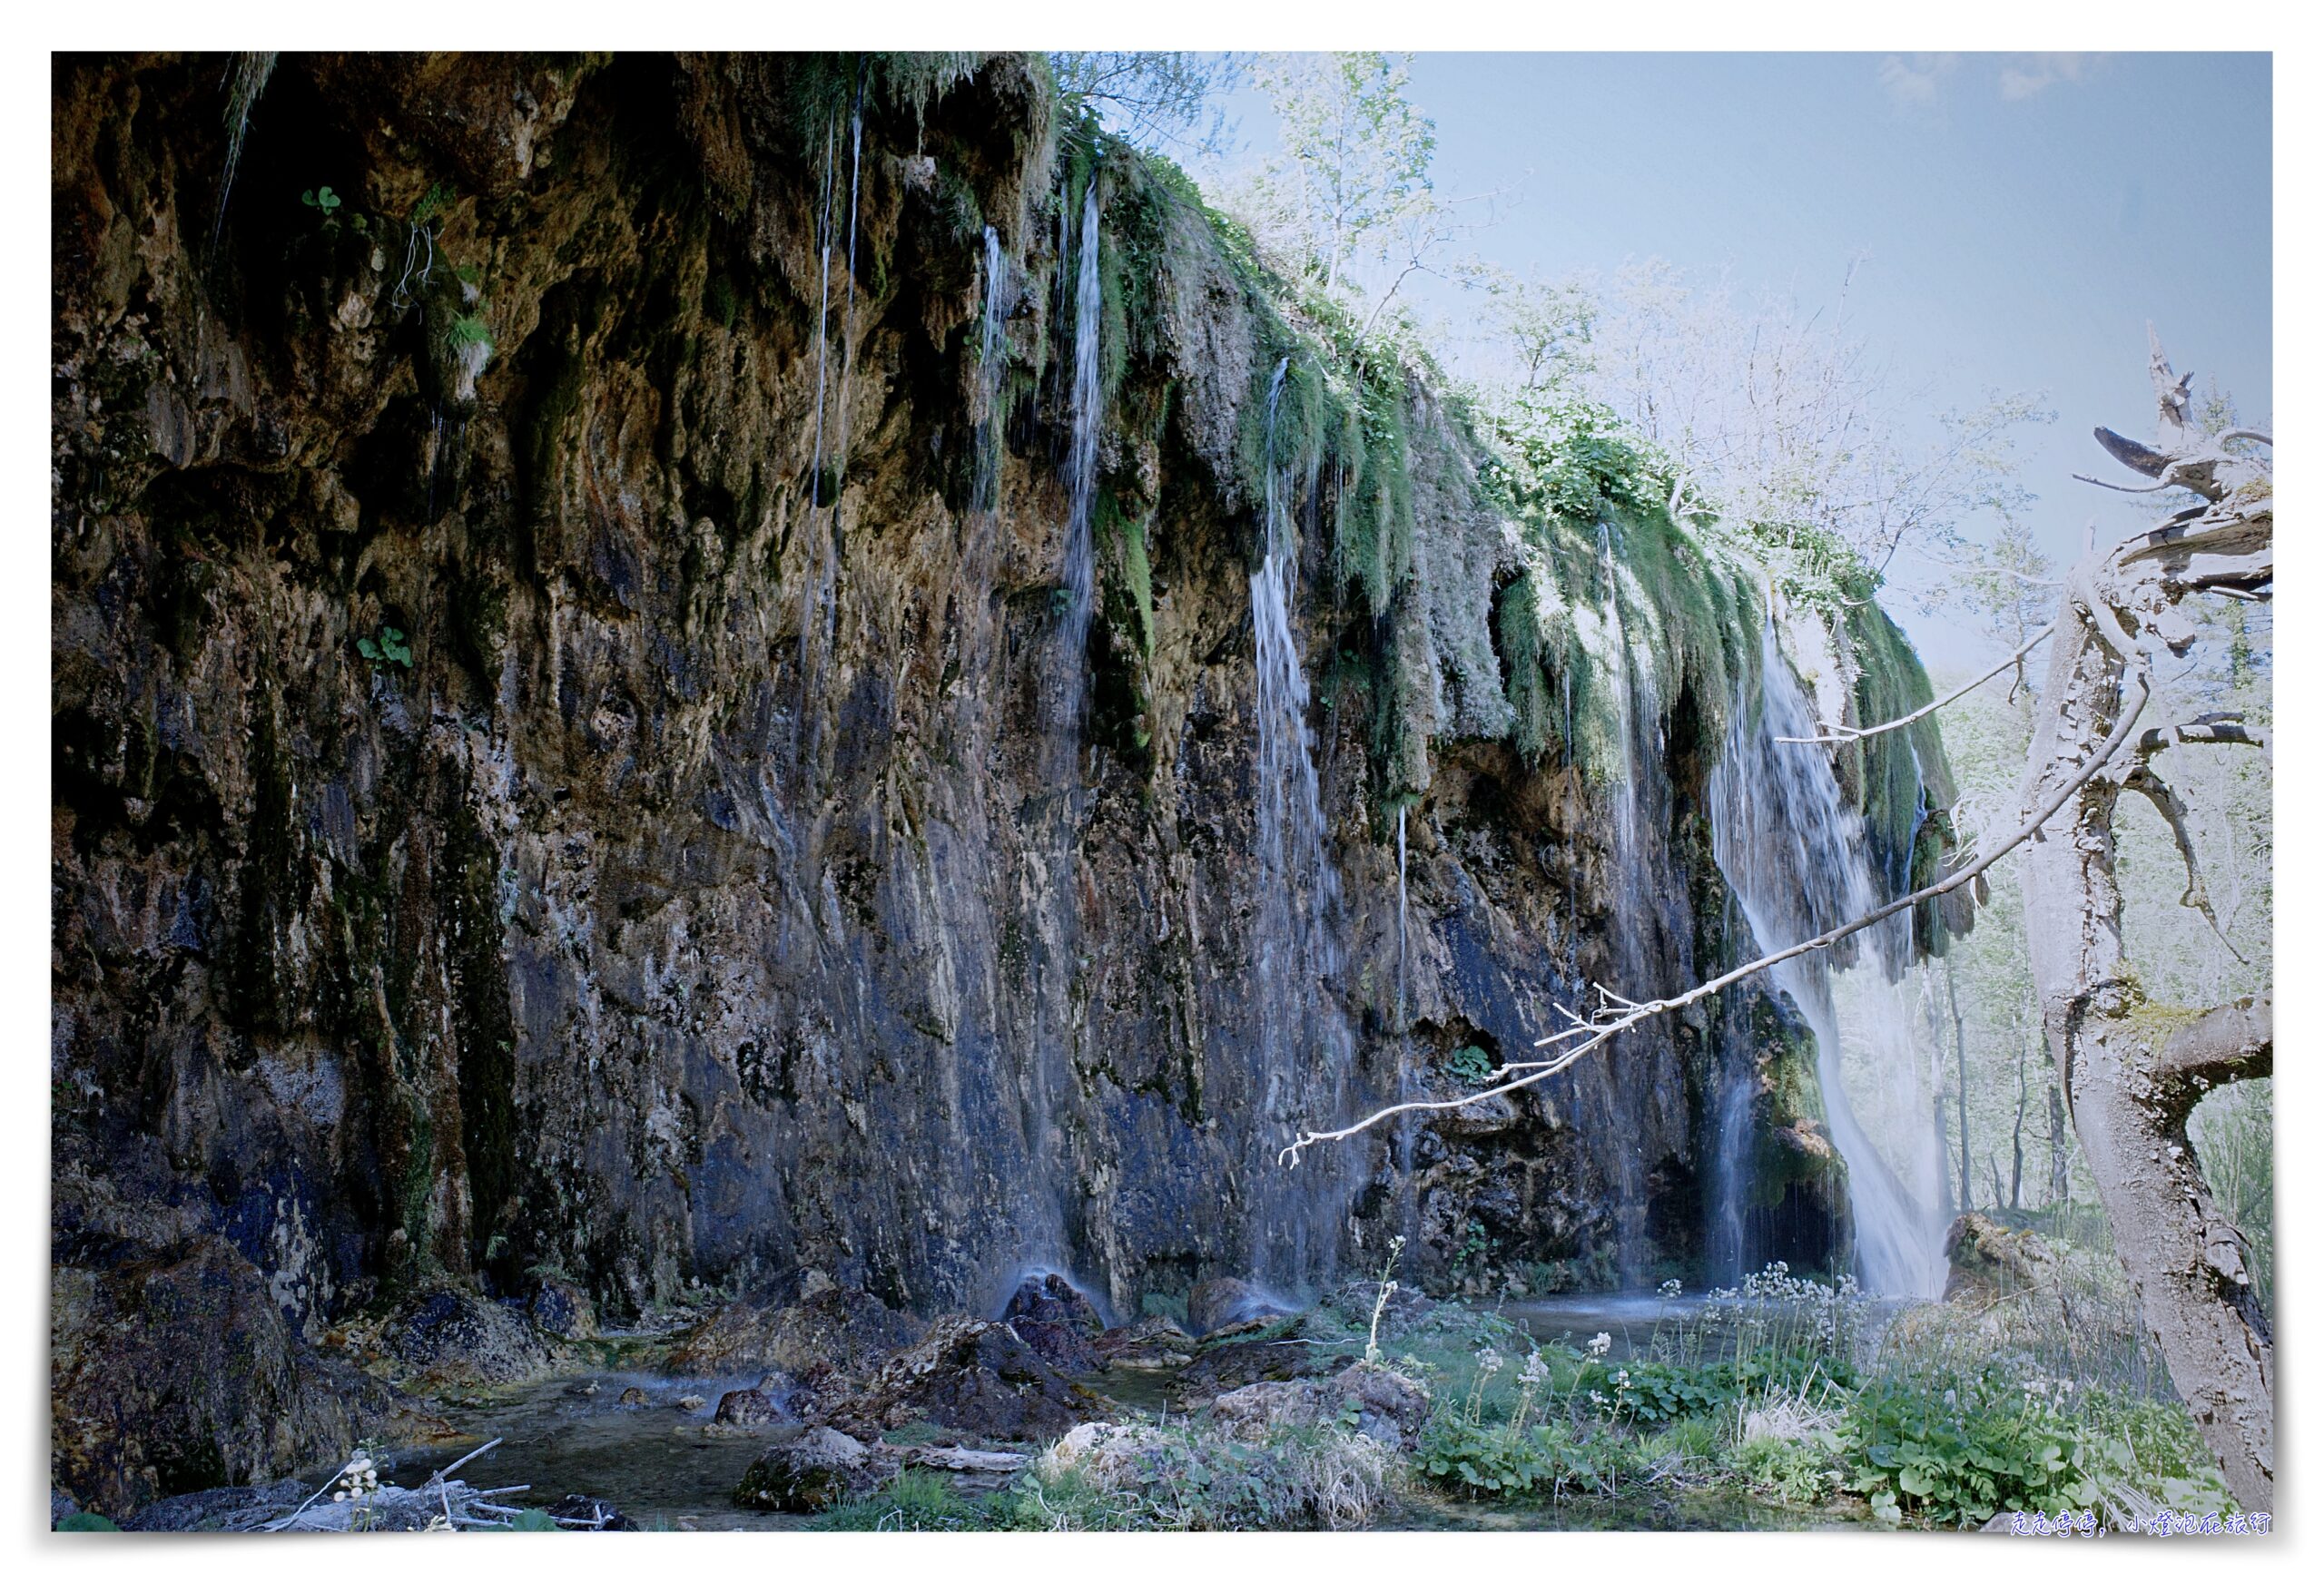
(1303,1051)
(1796,859)
(990,369)
(1078,588)
(1400,918)
(1066,689)
(1635,886)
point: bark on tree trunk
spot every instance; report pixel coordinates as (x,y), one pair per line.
(2133,1070)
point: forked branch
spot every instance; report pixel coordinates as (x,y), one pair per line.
(1615,1014)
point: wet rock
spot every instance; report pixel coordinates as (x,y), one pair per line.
(1057,1320)
(1150,1345)
(1217,1303)
(587,1514)
(1221,1369)
(851,1331)
(179,1372)
(969,1375)
(454,1336)
(1051,1299)
(690,1403)
(633,1397)
(818,1468)
(1388,1407)
(1069,1349)
(561,1308)
(747,1409)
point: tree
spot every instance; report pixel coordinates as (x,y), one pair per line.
(1769,414)
(1350,202)
(1157,98)
(2135,1068)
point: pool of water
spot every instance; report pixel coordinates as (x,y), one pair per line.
(665,1465)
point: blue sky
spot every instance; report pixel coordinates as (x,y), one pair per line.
(2023,217)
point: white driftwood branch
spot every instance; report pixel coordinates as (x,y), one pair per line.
(1616,1014)
(1849,734)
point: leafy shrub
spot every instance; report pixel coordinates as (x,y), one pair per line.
(1954,1458)
(1469,1067)
(1789,1472)
(391,647)
(1479,1462)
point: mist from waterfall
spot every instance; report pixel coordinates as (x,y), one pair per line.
(1305,1050)
(1799,862)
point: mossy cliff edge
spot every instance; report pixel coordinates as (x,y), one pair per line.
(549,772)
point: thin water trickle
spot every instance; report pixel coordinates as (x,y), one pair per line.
(1797,859)
(1401,952)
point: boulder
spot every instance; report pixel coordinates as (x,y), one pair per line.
(1987,1258)
(974,1376)
(1389,1407)
(1224,1301)
(179,1372)
(747,1409)
(852,1331)
(1051,1299)
(817,1468)
(454,1336)
(1056,1319)
(1067,1349)
(1103,1451)
(561,1308)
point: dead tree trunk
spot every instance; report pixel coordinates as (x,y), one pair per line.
(2132,1069)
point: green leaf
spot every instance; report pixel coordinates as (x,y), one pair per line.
(367,648)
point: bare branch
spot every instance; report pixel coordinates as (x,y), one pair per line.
(1847,733)
(2220,729)
(2141,778)
(1599,1028)
(2225,1044)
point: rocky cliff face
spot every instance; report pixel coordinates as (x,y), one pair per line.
(550,746)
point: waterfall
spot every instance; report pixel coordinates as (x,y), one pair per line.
(1303,1053)
(991,368)
(1642,770)
(1080,586)
(812,621)
(1796,859)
